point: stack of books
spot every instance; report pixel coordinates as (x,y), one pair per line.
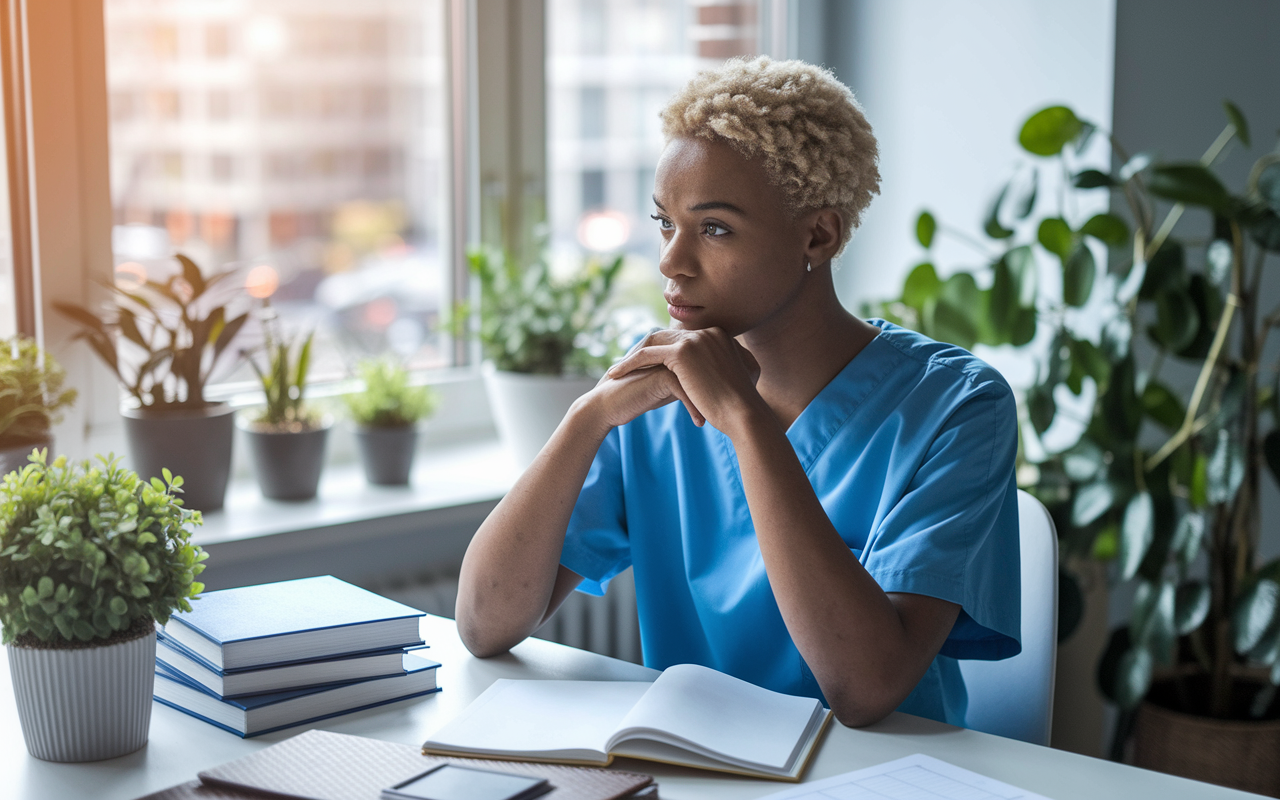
(257,659)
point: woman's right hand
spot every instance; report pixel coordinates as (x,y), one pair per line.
(617,401)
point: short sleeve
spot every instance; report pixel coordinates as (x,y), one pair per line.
(954,532)
(596,545)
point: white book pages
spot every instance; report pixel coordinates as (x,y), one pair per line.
(717,715)
(541,719)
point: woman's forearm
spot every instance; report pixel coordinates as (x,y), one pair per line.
(510,568)
(867,649)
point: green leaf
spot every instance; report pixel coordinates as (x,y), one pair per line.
(1271,451)
(1092,501)
(1162,405)
(1191,606)
(1187,538)
(1192,184)
(1165,270)
(1026,199)
(1136,533)
(1092,179)
(926,226)
(1153,619)
(1199,489)
(1108,228)
(1078,273)
(118,606)
(1048,130)
(1055,236)
(1132,678)
(1022,265)
(1084,461)
(1041,407)
(1236,118)
(921,286)
(1070,604)
(1176,320)
(1106,545)
(992,224)
(1120,407)
(1269,186)
(1253,613)
(1225,468)
(1208,302)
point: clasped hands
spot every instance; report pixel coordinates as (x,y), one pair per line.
(707,370)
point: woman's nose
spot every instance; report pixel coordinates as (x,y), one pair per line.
(676,257)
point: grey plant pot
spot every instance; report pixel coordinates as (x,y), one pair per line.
(14,457)
(288,465)
(387,454)
(192,442)
(85,704)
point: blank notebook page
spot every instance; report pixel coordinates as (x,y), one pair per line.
(725,715)
(542,717)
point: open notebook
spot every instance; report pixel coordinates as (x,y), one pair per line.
(691,715)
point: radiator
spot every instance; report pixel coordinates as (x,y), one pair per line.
(605,625)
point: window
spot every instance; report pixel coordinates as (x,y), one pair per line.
(611,65)
(303,138)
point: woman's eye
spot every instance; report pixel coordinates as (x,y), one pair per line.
(712,229)
(663,222)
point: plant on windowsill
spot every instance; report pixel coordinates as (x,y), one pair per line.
(31,395)
(287,437)
(91,557)
(545,339)
(1162,480)
(163,340)
(386,412)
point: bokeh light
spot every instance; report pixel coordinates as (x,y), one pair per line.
(603,231)
(262,281)
(130,276)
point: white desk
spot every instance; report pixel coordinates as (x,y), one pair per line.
(180,746)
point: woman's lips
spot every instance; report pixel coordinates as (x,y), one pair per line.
(682,312)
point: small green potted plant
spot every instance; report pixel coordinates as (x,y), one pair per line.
(31,394)
(91,557)
(545,340)
(163,340)
(386,413)
(287,437)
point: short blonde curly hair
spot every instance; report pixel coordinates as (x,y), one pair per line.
(816,143)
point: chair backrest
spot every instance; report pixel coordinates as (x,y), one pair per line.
(1014,697)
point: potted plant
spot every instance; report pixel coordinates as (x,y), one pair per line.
(386,413)
(91,557)
(287,438)
(1161,480)
(544,338)
(31,394)
(163,340)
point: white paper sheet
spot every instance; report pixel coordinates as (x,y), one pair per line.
(917,777)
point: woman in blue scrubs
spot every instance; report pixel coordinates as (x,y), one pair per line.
(818,504)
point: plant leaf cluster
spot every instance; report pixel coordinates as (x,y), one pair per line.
(31,392)
(1163,482)
(388,400)
(534,323)
(86,549)
(173,332)
(284,376)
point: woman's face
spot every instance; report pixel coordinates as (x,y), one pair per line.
(732,254)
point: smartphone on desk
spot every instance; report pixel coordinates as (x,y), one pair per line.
(450,782)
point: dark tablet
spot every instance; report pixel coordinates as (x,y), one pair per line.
(449,782)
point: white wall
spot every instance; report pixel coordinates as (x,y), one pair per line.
(946,86)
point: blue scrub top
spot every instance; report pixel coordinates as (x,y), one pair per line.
(910,450)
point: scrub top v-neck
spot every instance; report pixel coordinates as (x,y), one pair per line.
(910,449)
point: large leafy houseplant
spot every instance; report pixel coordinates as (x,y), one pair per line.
(91,556)
(1161,478)
(31,394)
(163,339)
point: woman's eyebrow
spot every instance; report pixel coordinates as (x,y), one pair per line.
(718,205)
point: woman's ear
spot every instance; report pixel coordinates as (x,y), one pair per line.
(822,230)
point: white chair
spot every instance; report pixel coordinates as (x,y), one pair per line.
(1014,697)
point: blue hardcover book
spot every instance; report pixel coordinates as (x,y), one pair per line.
(264,713)
(273,678)
(291,621)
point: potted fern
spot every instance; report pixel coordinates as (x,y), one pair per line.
(31,394)
(163,340)
(386,413)
(545,342)
(91,557)
(287,438)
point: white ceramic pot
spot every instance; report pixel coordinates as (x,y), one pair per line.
(527,408)
(84,704)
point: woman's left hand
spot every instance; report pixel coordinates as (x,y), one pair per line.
(718,374)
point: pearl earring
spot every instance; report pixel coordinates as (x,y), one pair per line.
(808,267)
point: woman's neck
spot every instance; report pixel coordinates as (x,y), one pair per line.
(802,348)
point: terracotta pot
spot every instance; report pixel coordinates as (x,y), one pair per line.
(1240,754)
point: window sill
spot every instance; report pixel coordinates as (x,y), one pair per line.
(356,531)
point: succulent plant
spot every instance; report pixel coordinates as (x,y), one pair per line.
(388,401)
